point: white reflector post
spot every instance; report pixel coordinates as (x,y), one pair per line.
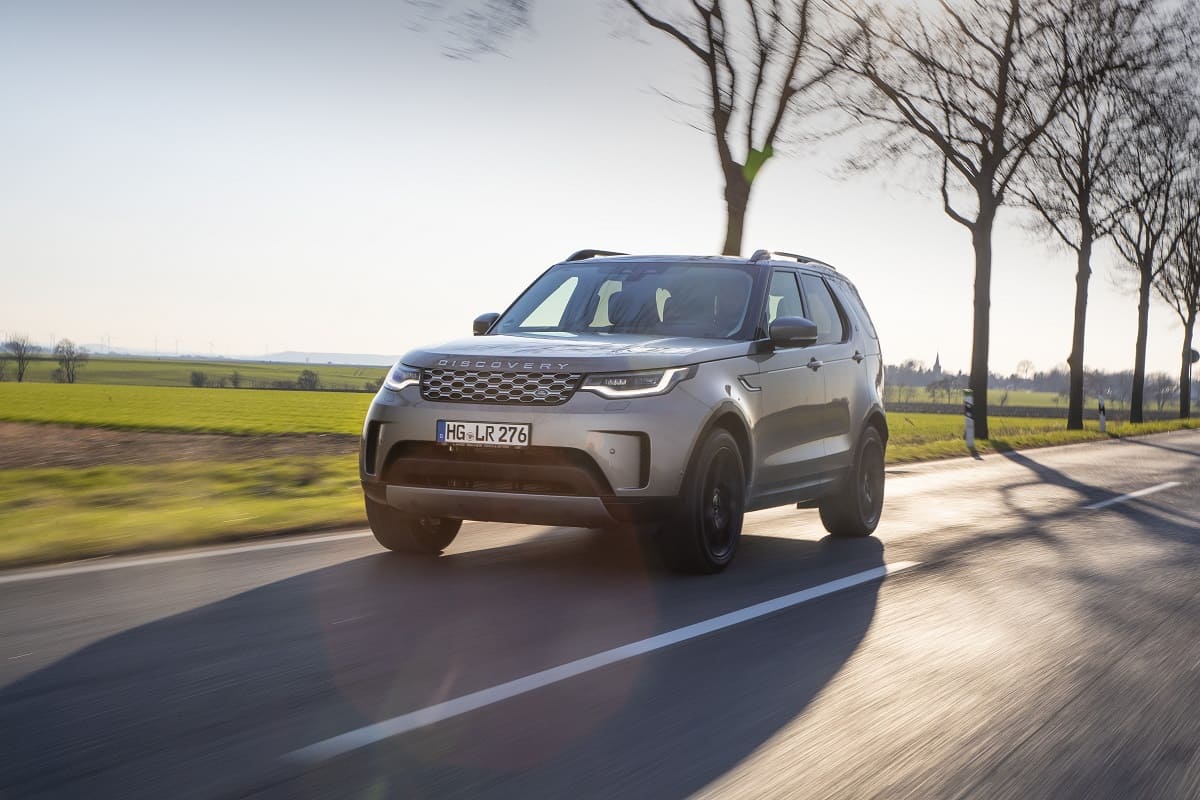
(969,418)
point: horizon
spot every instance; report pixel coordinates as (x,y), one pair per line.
(384,361)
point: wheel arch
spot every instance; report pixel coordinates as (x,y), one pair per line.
(877,419)
(730,418)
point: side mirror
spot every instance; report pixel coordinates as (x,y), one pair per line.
(483,323)
(793,332)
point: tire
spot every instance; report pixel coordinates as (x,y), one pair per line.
(855,508)
(703,535)
(404,533)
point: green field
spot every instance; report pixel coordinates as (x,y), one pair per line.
(178,371)
(168,408)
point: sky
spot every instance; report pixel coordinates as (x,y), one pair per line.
(250,177)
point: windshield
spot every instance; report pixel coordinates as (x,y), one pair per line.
(709,302)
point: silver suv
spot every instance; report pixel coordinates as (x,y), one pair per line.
(672,392)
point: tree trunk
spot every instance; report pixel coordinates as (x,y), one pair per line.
(737,199)
(1083,274)
(1139,356)
(1185,374)
(981,238)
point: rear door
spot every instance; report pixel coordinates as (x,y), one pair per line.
(838,362)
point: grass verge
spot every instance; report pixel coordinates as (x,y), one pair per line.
(61,513)
(927,437)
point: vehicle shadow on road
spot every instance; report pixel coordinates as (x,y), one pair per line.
(207,702)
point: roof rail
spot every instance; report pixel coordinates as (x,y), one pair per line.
(584,255)
(767,255)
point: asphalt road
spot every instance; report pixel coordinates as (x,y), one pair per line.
(1023,645)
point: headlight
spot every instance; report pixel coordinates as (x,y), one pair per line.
(637,384)
(402,376)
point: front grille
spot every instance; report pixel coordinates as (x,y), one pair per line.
(504,388)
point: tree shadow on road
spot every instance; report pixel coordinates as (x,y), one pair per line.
(207,702)
(1141,442)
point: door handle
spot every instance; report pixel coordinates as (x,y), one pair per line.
(858,356)
(815,365)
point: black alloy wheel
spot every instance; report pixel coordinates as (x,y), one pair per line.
(704,534)
(855,508)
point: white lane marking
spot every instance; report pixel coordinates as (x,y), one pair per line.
(1162,487)
(79,569)
(377,732)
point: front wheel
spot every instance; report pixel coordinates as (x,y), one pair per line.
(405,533)
(855,508)
(704,534)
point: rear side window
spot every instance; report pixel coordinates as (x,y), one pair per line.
(850,294)
(823,310)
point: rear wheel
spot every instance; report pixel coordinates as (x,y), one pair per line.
(405,533)
(704,534)
(855,508)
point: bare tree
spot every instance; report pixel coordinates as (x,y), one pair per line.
(1178,282)
(22,351)
(1025,369)
(479,26)
(971,90)
(1109,42)
(1144,186)
(758,60)
(308,381)
(1163,387)
(70,358)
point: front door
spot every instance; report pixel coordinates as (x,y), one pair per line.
(789,434)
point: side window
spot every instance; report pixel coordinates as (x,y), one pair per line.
(823,310)
(851,293)
(550,311)
(783,300)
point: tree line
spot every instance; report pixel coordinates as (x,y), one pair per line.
(1080,114)
(20,350)
(912,381)
(308,380)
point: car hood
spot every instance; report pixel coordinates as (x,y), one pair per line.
(587,353)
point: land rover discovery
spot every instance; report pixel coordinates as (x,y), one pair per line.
(671,393)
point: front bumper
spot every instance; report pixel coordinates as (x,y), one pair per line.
(592,462)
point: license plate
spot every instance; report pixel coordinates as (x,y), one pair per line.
(484,434)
